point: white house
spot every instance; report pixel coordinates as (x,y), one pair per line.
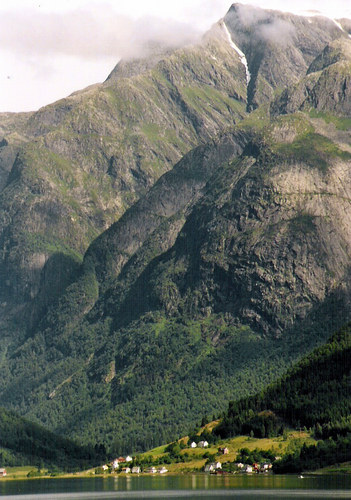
(193,445)
(202,444)
(248,469)
(163,470)
(3,473)
(151,470)
(115,464)
(129,459)
(136,470)
(213,466)
(266,466)
(105,467)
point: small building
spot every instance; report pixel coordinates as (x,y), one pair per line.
(239,465)
(202,444)
(193,445)
(3,472)
(248,469)
(224,451)
(136,470)
(121,460)
(163,470)
(126,470)
(266,466)
(212,466)
(115,464)
(105,467)
(150,470)
(129,459)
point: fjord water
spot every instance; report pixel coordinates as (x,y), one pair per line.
(179,487)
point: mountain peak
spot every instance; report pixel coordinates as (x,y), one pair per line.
(133,66)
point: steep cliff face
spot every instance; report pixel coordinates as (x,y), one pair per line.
(13,134)
(272,246)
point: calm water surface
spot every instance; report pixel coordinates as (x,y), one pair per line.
(179,487)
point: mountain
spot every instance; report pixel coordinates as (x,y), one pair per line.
(315,90)
(218,268)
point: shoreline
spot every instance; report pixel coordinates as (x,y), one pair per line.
(340,471)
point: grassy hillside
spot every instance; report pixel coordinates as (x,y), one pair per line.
(194,459)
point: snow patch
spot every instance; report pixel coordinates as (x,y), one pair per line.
(338,25)
(239,52)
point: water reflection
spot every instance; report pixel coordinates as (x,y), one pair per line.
(187,486)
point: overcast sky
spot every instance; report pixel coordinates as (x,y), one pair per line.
(50,48)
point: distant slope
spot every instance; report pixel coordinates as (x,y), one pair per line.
(314,392)
(30,443)
(326,86)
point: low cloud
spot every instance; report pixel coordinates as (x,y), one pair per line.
(262,24)
(88,34)
(277,31)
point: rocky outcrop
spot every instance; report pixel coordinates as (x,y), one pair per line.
(326,87)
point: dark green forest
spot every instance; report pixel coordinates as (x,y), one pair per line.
(314,393)
(23,442)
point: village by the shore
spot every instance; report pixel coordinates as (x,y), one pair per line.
(126,465)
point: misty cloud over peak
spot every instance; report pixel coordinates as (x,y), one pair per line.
(89,33)
(266,25)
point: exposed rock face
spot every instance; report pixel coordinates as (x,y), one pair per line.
(327,85)
(268,240)
(12,130)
